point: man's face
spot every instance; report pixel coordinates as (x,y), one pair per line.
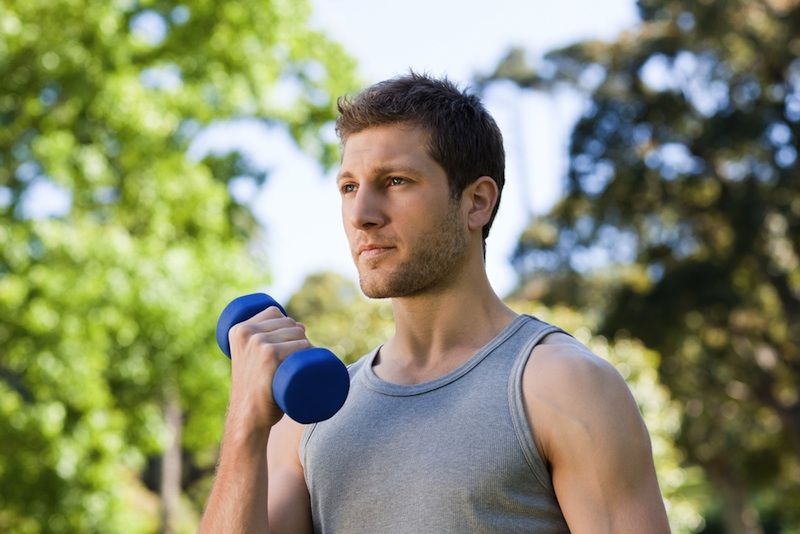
(406,234)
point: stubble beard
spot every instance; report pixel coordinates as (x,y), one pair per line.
(436,257)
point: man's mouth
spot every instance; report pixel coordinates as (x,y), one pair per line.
(372,251)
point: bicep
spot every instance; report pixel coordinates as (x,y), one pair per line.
(592,434)
(288,504)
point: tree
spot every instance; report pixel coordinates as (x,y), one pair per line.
(109,381)
(683,176)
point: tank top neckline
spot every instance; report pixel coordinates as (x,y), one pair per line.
(377,384)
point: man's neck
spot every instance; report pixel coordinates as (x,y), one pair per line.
(438,331)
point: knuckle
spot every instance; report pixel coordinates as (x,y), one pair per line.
(297,332)
(264,346)
(273,312)
(240,331)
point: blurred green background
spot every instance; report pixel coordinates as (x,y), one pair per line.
(673,253)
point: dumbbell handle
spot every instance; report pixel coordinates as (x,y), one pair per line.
(310,385)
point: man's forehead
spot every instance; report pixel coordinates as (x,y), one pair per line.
(388,139)
(385,148)
(390,134)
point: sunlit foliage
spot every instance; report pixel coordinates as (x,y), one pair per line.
(117,251)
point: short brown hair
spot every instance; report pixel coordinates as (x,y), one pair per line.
(464,138)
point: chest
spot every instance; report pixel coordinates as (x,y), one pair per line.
(449,454)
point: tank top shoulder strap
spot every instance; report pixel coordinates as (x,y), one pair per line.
(535,330)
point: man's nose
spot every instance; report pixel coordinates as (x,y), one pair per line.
(366,209)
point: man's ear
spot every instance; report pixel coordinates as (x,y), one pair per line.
(481,198)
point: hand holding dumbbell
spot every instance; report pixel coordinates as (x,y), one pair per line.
(310,385)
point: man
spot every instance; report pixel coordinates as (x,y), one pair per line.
(470,418)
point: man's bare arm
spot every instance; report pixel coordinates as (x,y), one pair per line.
(239,497)
(237,503)
(289,505)
(589,428)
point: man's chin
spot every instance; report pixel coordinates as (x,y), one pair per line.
(372,292)
(376,289)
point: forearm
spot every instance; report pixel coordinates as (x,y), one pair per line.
(238,500)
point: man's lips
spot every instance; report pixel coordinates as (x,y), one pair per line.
(372,251)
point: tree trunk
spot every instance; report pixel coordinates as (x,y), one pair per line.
(738,515)
(790,417)
(171,464)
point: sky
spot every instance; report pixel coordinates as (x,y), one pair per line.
(299,206)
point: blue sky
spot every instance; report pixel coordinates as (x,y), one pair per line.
(458,38)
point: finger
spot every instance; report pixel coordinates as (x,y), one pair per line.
(271,312)
(266,325)
(273,337)
(241,334)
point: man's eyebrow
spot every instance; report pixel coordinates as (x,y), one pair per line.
(382,170)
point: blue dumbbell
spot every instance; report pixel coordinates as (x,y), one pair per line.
(309,385)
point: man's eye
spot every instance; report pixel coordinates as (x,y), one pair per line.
(348,188)
(396,180)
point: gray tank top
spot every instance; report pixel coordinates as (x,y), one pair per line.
(455,454)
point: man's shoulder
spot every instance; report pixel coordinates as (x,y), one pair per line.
(562,359)
(589,431)
(568,388)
